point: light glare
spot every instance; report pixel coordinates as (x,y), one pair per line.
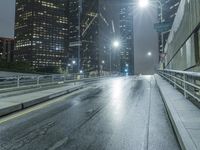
(143,3)
(149,53)
(116,44)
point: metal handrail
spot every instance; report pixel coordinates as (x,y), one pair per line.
(185,81)
(38,80)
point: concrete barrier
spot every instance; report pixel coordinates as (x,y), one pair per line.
(13,105)
(9,107)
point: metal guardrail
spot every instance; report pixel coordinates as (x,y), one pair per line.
(186,82)
(38,80)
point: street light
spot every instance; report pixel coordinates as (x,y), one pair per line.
(115,44)
(81,71)
(73,62)
(149,54)
(143,3)
(69,65)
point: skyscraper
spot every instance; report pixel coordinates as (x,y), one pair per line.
(126,31)
(41,33)
(95,35)
(74,15)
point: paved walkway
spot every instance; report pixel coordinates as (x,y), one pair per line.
(184,116)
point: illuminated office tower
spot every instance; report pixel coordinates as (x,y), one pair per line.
(126,30)
(41,33)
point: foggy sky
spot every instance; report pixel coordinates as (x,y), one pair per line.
(145,37)
(7,18)
(145,40)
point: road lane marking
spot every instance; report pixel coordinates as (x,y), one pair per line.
(38,107)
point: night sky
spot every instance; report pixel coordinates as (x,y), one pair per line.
(145,36)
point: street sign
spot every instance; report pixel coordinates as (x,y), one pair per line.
(163,27)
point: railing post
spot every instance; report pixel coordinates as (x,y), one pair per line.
(64,77)
(38,80)
(184,85)
(174,80)
(18,81)
(52,78)
(74,78)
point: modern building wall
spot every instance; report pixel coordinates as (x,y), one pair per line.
(126,32)
(183,45)
(6,49)
(96,31)
(74,15)
(41,33)
(169,10)
(89,36)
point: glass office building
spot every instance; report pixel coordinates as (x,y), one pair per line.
(41,33)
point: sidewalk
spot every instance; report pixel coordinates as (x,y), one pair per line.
(184,115)
(16,103)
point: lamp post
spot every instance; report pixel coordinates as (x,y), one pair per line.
(115,44)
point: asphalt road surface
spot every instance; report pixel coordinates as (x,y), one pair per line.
(117,114)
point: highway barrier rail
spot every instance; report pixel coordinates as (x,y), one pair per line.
(39,80)
(187,83)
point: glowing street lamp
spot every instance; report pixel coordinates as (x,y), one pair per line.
(116,44)
(73,62)
(149,54)
(143,3)
(81,71)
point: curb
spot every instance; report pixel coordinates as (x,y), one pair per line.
(182,135)
(13,107)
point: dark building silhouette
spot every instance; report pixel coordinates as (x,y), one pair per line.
(96,30)
(41,33)
(6,49)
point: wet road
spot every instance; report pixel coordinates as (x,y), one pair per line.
(117,114)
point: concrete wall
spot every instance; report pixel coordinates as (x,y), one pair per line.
(181,47)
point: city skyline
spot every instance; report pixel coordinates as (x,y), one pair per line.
(140,49)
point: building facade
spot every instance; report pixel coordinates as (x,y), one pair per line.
(41,33)
(74,16)
(183,46)
(126,31)
(6,49)
(168,14)
(93,48)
